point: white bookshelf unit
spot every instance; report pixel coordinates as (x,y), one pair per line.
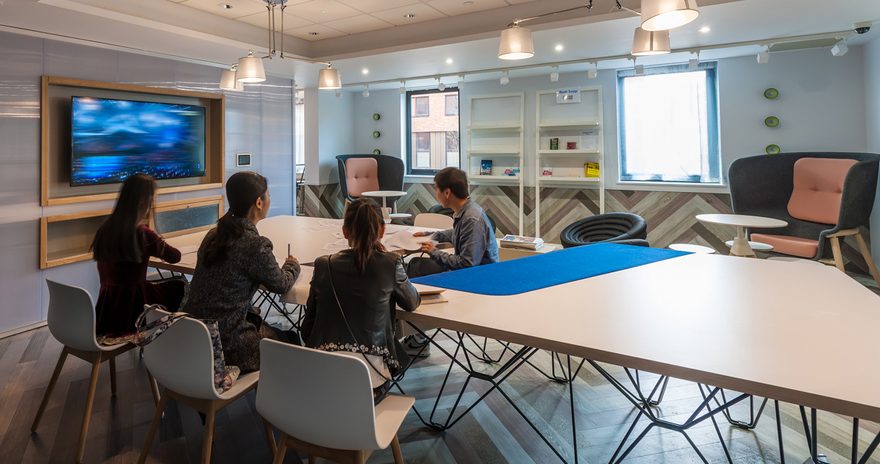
(576,127)
(495,134)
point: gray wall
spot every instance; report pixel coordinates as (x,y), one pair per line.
(329,132)
(872,125)
(258,121)
(821,107)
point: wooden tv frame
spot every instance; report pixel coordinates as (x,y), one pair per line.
(50,156)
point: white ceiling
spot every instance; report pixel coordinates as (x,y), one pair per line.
(165,28)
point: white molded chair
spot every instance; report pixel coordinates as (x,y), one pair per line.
(71,321)
(322,403)
(433,221)
(182,361)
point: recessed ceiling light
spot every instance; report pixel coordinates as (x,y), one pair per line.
(467,3)
(409,15)
(365,71)
(225,6)
(449,61)
(559,47)
(313,33)
(705,29)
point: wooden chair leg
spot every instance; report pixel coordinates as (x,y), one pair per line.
(87,414)
(154,425)
(58,366)
(395,449)
(208,441)
(282,449)
(838,256)
(866,254)
(154,388)
(113,376)
(270,437)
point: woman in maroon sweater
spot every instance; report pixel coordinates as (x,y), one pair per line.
(122,248)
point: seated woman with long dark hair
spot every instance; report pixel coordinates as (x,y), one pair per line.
(122,248)
(355,293)
(234,261)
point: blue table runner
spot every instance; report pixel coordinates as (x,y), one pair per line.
(546,270)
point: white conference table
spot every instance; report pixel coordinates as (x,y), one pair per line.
(682,318)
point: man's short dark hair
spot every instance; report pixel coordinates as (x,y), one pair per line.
(453,179)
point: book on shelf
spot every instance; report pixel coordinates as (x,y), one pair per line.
(591,169)
(554,143)
(486,167)
(519,241)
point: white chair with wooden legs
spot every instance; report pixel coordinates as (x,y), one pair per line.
(433,221)
(322,403)
(181,360)
(71,321)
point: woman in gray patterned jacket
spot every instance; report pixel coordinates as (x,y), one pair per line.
(233,262)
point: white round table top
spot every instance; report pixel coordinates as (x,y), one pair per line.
(742,220)
(383,193)
(399,215)
(692,248)
(757,246)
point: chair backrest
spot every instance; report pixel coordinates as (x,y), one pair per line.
(361,175)
(182,358)
(433,221)
(609,227)
(71,316)
(316,396)
(818,189)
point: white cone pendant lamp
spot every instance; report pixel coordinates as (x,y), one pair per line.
(663,15)
(516,44)
(250,69)
(328,79)
(228,82)
(647,43)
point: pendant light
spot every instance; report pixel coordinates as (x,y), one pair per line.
(227,80)
(516,43)
(663,15)
(250,69)
(646,43)
(328,78)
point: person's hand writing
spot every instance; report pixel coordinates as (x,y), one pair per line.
(427,247)
(291,260)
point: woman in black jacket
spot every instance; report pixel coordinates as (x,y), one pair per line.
(354,295)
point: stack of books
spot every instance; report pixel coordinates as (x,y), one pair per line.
(518,241)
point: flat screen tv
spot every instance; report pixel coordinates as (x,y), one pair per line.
(114,139)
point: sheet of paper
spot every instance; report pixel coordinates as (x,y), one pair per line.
(185,250)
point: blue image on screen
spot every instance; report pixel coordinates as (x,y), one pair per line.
(114,139)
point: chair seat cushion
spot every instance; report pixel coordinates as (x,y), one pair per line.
(788,245)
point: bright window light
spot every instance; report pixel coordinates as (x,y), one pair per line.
(669,125)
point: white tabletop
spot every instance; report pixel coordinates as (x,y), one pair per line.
(742,220)
(383,193)
(682,317)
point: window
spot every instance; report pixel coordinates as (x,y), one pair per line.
(432,131)
(452,105)
(668,125)
(422,107)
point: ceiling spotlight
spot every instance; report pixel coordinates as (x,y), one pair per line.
(505,78)
(409,15)
(764,55)
(840,48)
(593,72)
(366,92)
(365,71)
(554,75)
(705,29)
(460,80)
(449,61)
(559,47)
(402,87)
(647,43)
(663,15)
(225,6)
(328,78)
(694,62)
(516,43)
(440,85)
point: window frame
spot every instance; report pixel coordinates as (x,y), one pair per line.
(712,123)
(427,112)
(446,106)
(408,135)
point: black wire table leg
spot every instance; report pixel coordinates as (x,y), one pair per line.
(779,433)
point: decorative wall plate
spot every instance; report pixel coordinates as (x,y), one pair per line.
(377,116)
(771,121)
(773,149)
(771,93)
(376,134)
(377,151)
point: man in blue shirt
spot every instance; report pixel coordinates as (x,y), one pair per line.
(472,238)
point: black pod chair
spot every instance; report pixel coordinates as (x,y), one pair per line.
(625,228)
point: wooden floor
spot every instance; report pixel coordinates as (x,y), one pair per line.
(491,433)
